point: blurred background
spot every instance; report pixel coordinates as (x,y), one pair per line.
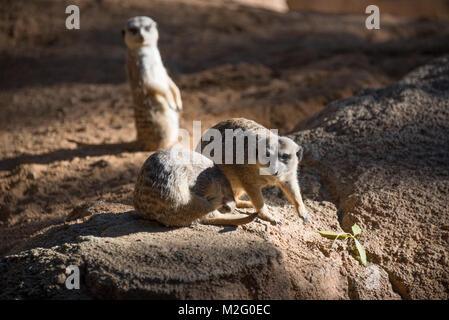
(276,62)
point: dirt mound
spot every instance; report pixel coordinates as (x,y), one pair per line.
(382,156)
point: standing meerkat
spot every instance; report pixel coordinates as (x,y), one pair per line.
(177,187)
(247,177)
(157,100)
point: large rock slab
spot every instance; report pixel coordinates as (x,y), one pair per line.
(383,158)
(122,256)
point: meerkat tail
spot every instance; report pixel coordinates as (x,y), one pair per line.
(229,219)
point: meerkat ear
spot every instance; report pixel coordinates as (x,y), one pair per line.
(300,153)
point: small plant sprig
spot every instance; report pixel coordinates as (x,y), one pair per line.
(345,235)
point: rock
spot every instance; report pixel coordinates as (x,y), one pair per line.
(383,158)
(122,256)
(86,209)
(367,285)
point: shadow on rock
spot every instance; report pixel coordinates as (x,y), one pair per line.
(121,256)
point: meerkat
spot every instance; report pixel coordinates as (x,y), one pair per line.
(156,98)
(247,177)
(178,186)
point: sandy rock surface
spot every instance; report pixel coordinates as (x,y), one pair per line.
(383,158)
(123,256)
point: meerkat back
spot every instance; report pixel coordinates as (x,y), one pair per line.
(177,187)
(164,182)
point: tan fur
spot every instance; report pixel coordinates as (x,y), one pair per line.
(177,187)
(246,178)
(157,100)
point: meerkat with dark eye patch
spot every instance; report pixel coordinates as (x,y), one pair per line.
(250,178)
(156,98)
(178,186)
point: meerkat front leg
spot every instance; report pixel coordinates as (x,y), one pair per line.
(293,193)
(255,195)
(163,100)
(162,94)
(176,94)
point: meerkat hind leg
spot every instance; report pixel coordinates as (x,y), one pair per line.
(217,218)
(203,211)
(255,194)
(241,203)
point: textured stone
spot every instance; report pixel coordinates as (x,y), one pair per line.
(383,156)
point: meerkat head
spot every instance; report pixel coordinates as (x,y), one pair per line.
(140,32)
(220,193)
(284,155)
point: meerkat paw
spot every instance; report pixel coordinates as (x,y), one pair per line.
(305,218)
(304,214)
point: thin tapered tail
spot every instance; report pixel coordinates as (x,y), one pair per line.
(229,219)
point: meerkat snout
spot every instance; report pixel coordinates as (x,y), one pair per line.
(281,156)
(287,160)
(220,193)
(228,204)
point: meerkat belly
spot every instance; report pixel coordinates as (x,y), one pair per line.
(157,124)
(152,72)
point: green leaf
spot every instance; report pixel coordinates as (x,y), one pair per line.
(361,251)
(356,230)
(334,235)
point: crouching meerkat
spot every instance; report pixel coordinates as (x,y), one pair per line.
(250,178)
(156,98)
(177,187)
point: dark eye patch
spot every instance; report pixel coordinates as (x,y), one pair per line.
(147,28)
(285,157)
(133,30)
